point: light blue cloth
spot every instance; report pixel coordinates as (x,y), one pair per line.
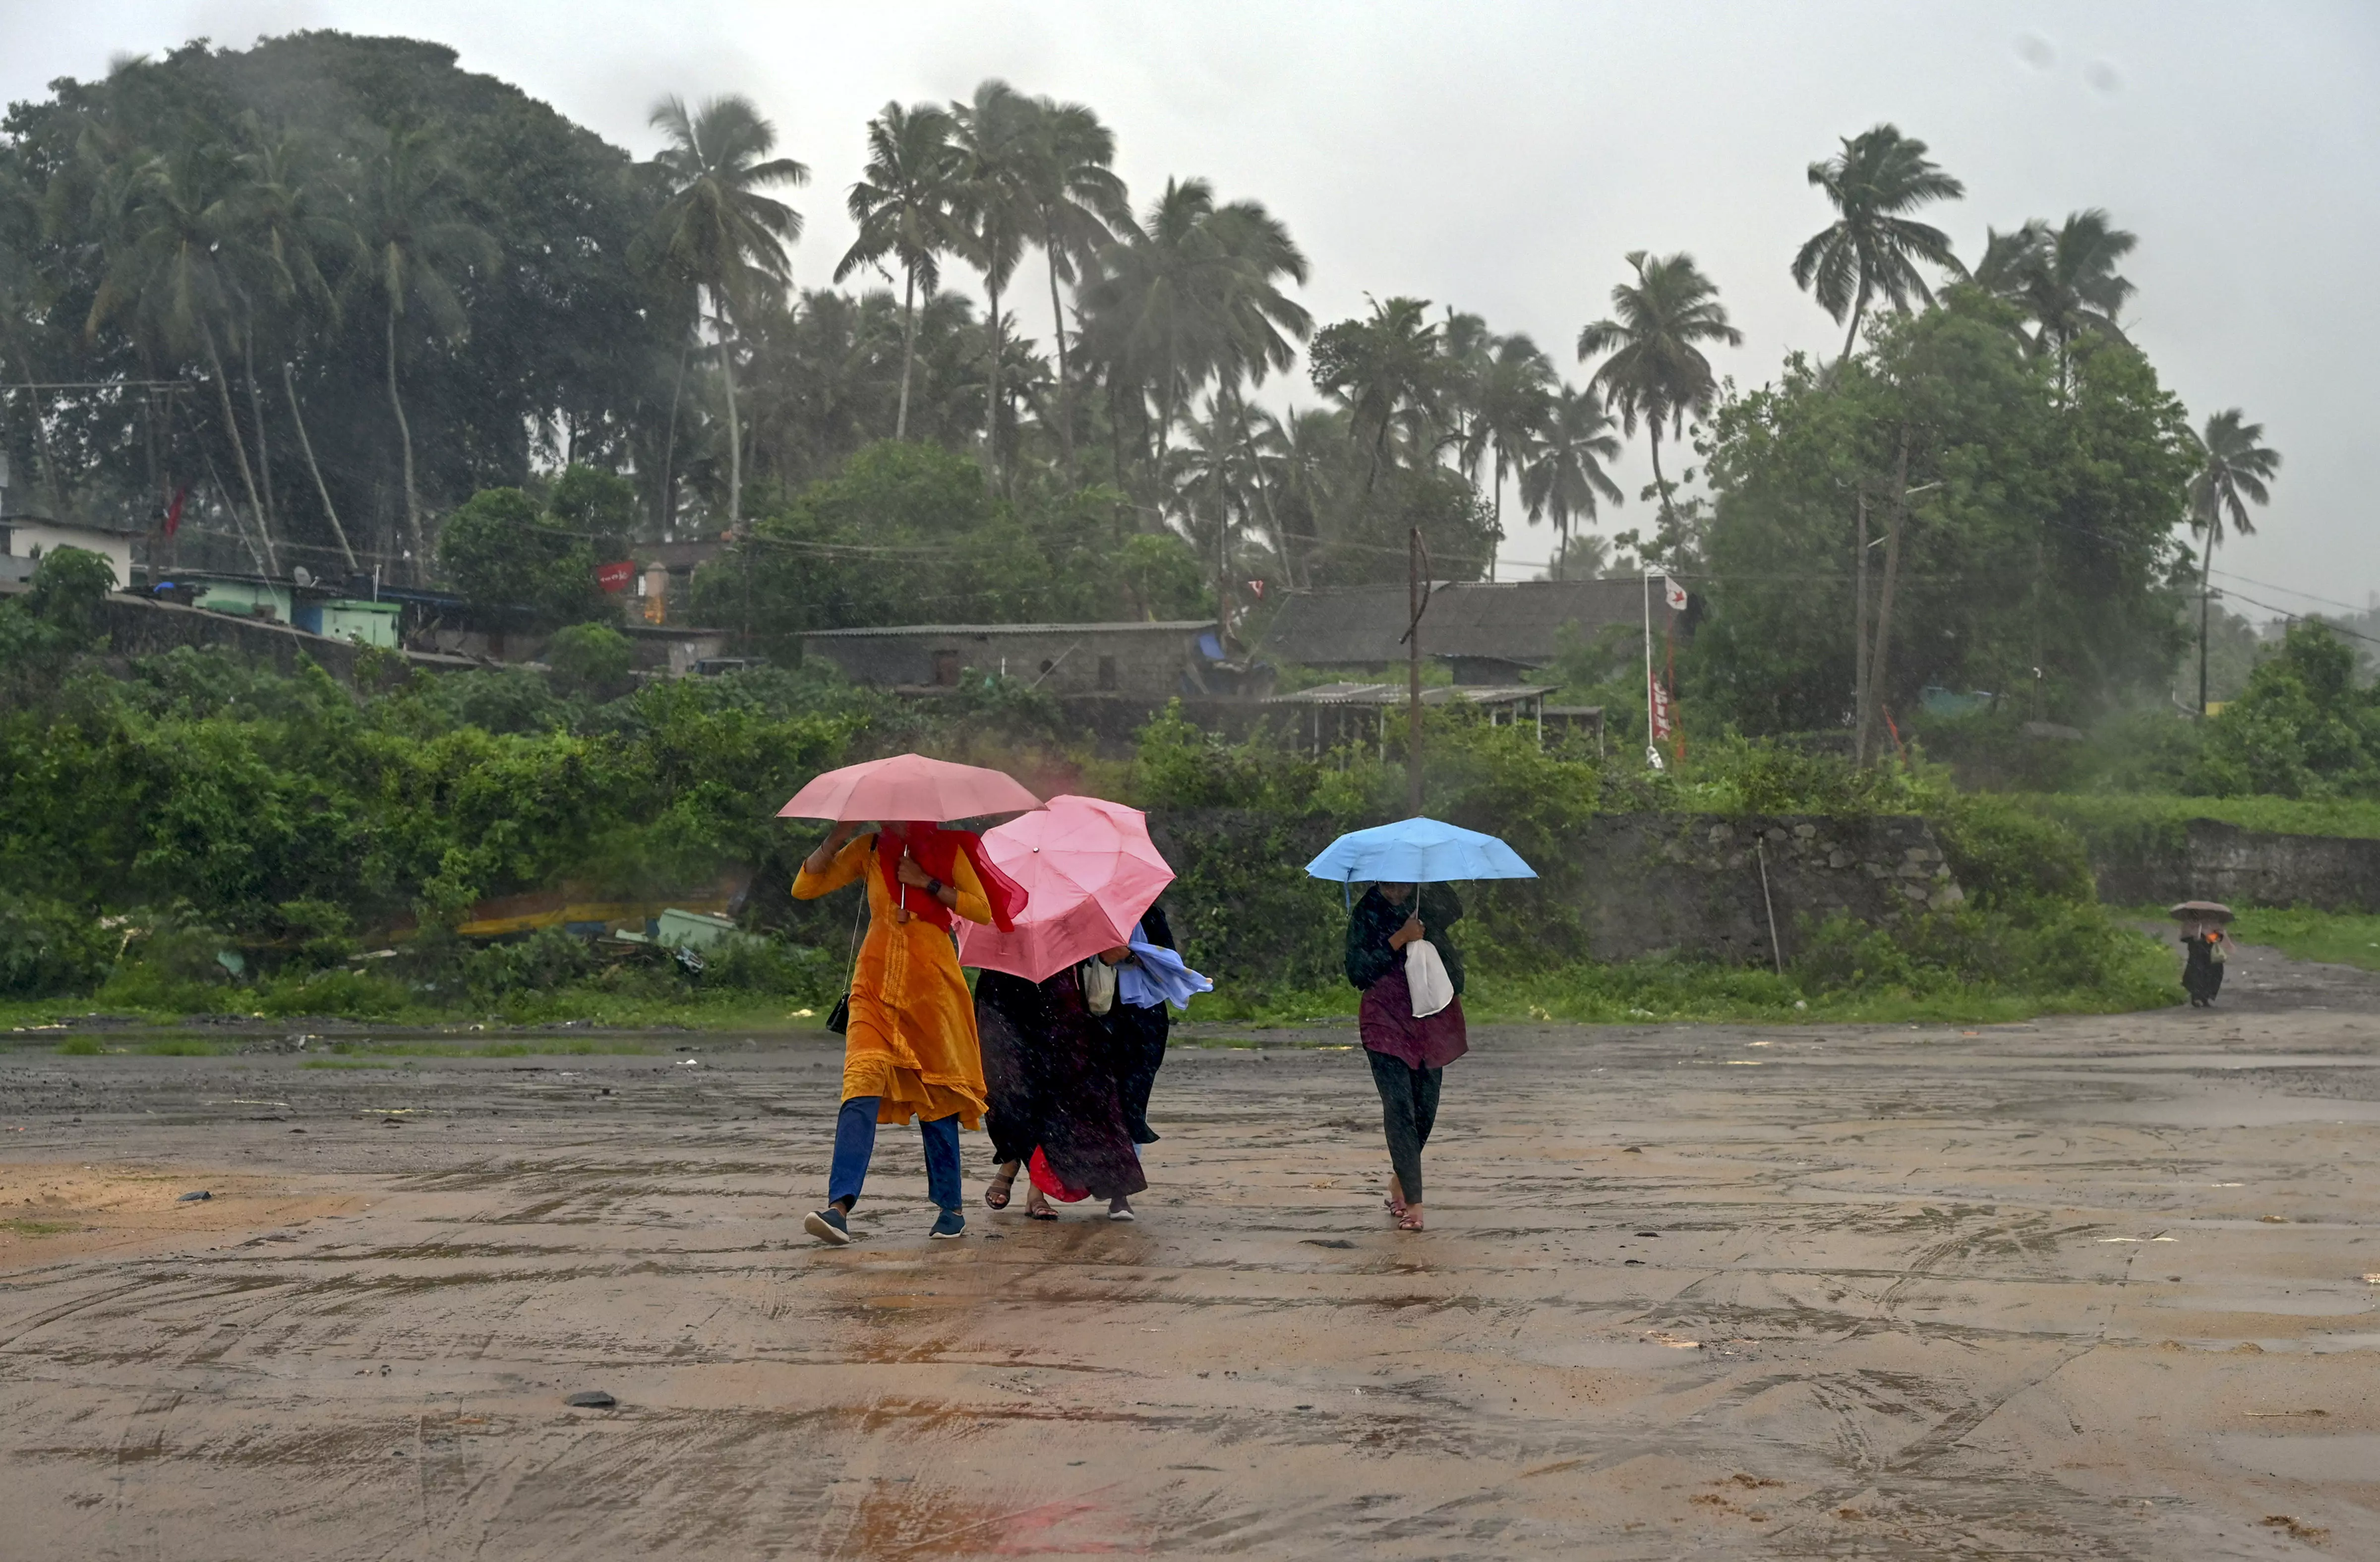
(1155,975)
(1418,851)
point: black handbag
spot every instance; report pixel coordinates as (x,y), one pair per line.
(838,1018)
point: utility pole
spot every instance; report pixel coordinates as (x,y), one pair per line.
(1416,599)
(2205,580)
(1858,628)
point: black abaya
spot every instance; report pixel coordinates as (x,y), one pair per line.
(1051,1076)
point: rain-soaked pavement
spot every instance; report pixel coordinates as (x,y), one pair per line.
(2085,1289)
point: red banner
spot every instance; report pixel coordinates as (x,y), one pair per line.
(616,576)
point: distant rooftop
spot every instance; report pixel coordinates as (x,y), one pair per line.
(1518,621)
(1128,626)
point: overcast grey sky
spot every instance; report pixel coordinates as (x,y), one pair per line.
(1502,158)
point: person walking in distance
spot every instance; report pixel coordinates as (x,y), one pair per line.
(1410,1029)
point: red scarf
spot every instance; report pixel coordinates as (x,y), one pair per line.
(936,850)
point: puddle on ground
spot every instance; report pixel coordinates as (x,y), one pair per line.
(2352,1456)
(2323,1344)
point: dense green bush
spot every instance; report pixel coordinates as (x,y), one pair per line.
(2004,854)
(48,948)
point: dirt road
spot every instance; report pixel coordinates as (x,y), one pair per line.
(2090,1288)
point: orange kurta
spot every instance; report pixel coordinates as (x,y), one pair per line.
(912,1039)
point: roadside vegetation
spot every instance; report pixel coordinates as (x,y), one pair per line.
(421,328)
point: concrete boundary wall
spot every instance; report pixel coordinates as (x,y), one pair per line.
(2212,861)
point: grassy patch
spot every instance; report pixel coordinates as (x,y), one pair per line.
(2099,813)
(344,1063)
(2302,933)
(37,1227)
(81,1046)
(183,1046)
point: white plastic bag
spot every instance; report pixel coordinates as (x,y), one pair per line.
(1425,975)
(1099,979)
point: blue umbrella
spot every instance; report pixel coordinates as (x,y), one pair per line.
(1417,851)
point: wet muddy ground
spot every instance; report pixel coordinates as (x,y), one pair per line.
(2085,1289)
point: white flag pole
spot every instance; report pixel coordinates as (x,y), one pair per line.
(1651,748)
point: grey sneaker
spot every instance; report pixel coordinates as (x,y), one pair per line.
(828,1226)
(949,1226)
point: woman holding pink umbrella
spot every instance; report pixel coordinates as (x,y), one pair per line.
(1059,1078)
(910,1050)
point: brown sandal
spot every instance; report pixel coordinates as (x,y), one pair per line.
(1001,1184)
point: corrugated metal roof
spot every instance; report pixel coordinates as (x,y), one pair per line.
(1129,626)
(1398,693)
(1513,621)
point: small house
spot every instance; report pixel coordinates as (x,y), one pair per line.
(1153,660)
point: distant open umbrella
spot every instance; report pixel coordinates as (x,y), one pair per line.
(1089,871)
(908,787)
(2201,911)
(1418,851)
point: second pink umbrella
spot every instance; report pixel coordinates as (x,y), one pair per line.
(1089,870)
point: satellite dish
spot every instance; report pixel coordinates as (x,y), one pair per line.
(303,576)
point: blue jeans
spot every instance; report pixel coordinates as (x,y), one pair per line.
(855,1142)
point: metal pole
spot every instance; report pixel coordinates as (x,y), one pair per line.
(1859,642)
(1413,672)
(1775,953)
(1650,750)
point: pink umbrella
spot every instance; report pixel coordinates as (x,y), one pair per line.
(908,787)
(1089,870)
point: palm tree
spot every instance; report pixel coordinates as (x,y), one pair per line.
(1079,205)
(719,234)
(2232,473)
(1513,403)
(1191,293)
(1561,471)
(416,245)
(286,232)
(1389,374)
(174,273)
(2065,279)
(1869,249)
(993,140)
(1655,371)
(906,208)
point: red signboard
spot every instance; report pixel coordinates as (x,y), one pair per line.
(616,576)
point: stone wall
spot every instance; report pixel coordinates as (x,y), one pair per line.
(1639,883)
(1692,883)
(2207,860)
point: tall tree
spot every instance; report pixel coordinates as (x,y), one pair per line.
(416,246)
(1512,398)
(1656,370)
(287,231)
(1389,374)
(1079,205)
(175,274)
(2064,278)
(1193,292)
(1561,466)
(718,233)
(994,141)
(2233,468)
(1871,247)
(906,207)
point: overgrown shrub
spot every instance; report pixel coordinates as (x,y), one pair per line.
(2004,854)
(49,949)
